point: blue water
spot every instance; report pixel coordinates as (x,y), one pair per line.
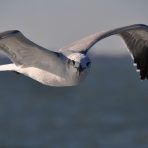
(108,110)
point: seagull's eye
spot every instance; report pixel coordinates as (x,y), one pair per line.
(88,64)
(73,62)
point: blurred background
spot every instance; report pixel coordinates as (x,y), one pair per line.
(109,109)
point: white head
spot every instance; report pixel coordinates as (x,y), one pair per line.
(79,61)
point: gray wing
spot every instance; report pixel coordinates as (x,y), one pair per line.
(135,37)
(24,52)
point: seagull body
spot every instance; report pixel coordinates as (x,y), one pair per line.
(70,65)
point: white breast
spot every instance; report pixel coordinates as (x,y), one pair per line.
(70,78)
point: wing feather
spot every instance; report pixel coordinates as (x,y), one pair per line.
(135,37)
(24,52)
(137,44)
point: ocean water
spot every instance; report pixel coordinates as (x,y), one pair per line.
(108,110)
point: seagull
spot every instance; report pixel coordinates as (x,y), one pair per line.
(70,65)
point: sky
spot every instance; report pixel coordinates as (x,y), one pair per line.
(56,23)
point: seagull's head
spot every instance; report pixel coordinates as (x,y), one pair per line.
(80,62)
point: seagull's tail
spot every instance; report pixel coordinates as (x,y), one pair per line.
(8,67)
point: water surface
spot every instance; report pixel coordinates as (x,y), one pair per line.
(109,109)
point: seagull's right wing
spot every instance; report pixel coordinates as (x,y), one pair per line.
(135,37)
(25,53)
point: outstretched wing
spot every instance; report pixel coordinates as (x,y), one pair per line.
(24,52)
(135,37)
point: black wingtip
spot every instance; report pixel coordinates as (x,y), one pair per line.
(140,25)
(15,31)
(8,33)
(143,78)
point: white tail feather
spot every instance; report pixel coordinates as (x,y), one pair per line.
(8,67)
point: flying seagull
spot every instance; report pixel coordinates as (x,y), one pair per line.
(70,65)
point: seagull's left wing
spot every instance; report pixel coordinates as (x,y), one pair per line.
(135,37)
(25,53)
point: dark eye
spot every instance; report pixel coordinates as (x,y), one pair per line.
(88,64)
(73,62)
